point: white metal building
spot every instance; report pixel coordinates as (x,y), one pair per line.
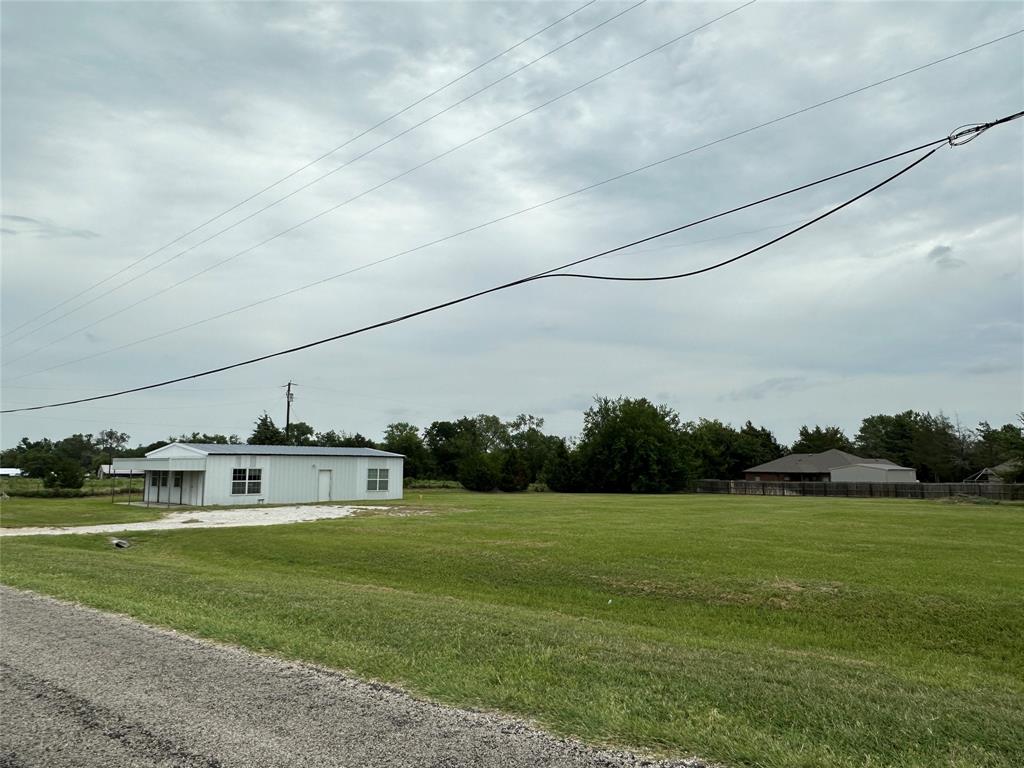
(202,474)
(873,473)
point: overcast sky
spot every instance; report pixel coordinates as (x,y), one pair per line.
(125,125)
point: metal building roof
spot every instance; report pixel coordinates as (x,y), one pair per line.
(287,450)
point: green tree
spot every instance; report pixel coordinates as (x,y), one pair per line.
(887,437)
(203,437)
(632,446)
(525,436)
(402,437)
(266,432)
(64,473)
(927,443)
(477,472)
(561,470)
(994,445)
(514,474)
(37,459)
(112,441)
(757,445)
(934,449)
(79,448)
(334,439)
(821,439)
(448,443)
(301,433)
(718,450)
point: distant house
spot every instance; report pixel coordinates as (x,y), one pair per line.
(831,466)
(107,470)
(199,474)
(996,474)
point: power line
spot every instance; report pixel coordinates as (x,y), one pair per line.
(499,219)
(311,163)
(343,203)
(773,241)
(556,272)
(301,188)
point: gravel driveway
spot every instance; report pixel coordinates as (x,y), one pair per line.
(204,518)
(84,688)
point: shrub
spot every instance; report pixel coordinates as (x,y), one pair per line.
(65,473)
(416,482)
(478,473)
(514,475)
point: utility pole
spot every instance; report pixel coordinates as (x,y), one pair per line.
(288,415)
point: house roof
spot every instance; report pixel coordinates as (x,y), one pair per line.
(216,449)
(816,463)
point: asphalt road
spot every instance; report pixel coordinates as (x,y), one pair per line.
(83,688)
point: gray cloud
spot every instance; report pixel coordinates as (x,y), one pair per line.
(942,257)
(782,385)
(142,120)
(45,229)
(991,367)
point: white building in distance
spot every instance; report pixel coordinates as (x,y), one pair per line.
(203,474)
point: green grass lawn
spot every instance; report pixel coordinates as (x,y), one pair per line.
(754,631)
(91,484)
(19,512)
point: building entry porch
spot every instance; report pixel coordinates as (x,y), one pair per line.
(174,487)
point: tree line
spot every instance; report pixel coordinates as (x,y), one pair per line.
(627,445)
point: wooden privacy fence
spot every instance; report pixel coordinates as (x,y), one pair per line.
(1002,491)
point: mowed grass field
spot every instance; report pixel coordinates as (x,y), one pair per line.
(24,512)
(745,630)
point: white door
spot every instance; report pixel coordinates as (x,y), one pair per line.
(324,488)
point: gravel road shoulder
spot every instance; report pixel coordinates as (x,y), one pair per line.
(85,688)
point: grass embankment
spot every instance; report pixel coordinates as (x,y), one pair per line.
(789,632)
(18,512)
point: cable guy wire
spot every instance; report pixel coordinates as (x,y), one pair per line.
(559,272)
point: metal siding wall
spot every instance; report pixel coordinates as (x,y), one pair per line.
(218,481)
(873,475)
(900,476)
(293,479)
(858,475)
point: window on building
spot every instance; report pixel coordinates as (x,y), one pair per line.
(377,480)
(154,479)
(177,479)
(245,481)
(163,479)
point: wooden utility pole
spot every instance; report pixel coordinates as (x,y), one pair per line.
(288,415)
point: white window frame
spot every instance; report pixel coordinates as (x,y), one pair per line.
(246,482)
(377,478)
